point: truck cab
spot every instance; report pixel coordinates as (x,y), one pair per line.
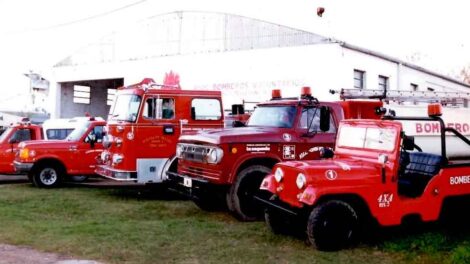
(144,125)
(226,166)
(49,162)
(10,139)
(377,173)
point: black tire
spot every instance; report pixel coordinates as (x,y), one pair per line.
(332,225)
(47,175)
(209,203)
(78,178)
(275,222)
(240,197)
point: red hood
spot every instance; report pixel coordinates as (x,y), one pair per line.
(331,170)
(237,135)
(47,144)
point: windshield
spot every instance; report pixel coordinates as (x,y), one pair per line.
(78,132)
(367,137)
(125,108)
(5,133)
(273,116)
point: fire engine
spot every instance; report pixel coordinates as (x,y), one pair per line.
(144,125)
(377,173)
(226,166)
(49,162)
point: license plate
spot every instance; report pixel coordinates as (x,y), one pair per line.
(188,182)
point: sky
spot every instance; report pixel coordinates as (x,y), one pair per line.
(34,35)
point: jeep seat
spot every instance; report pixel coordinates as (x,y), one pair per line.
(416,170)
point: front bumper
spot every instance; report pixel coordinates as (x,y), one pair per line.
(116,175)
(273,202)
(193,188)
(23,167)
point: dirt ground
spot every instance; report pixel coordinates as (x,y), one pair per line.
(23,255)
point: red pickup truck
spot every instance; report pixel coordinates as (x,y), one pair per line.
(49,162)
(10,139)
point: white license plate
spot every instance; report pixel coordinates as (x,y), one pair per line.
(188,182)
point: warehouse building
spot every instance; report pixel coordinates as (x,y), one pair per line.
(245,58)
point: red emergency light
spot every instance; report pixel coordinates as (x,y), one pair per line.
(305,91)
(147,81)
(434,110)
(276,94)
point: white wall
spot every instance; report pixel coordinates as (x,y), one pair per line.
(252,74)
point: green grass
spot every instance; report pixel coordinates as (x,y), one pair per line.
(120,226)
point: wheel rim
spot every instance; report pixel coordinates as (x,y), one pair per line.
(48,176)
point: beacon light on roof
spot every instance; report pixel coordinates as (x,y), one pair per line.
(305,91)
(434,110)
(276,94)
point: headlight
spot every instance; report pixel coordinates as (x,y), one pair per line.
(301,180)
(107,141)
(104,156)
(117,158)
(179,151)
(214,155)
(130,135)
(278,174)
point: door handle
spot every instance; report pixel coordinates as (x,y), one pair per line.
(73,148)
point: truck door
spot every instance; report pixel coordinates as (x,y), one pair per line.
(88,150)
(158,138)
(9,147)
(310,136)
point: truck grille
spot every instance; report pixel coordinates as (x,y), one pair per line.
(202,173)
(195,153)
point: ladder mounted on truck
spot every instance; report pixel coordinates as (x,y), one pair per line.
(445,98)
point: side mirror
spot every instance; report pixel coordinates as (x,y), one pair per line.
(324,118)
(382,159)
(238,123)
(326,153)
(193,113)
(91,138)
(13,140)
(238,109)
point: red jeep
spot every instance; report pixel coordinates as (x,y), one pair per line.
(48,162)
(374,175)
(226,166)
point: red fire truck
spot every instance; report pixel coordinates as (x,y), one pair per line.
(229,164)
(377,173)
(144,125)
(49,162)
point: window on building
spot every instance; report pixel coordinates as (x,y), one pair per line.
(81,94)
(431,89)
(359,79)
(159,108)
(206,109)
(111,96)
(383,82)
(414,87)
